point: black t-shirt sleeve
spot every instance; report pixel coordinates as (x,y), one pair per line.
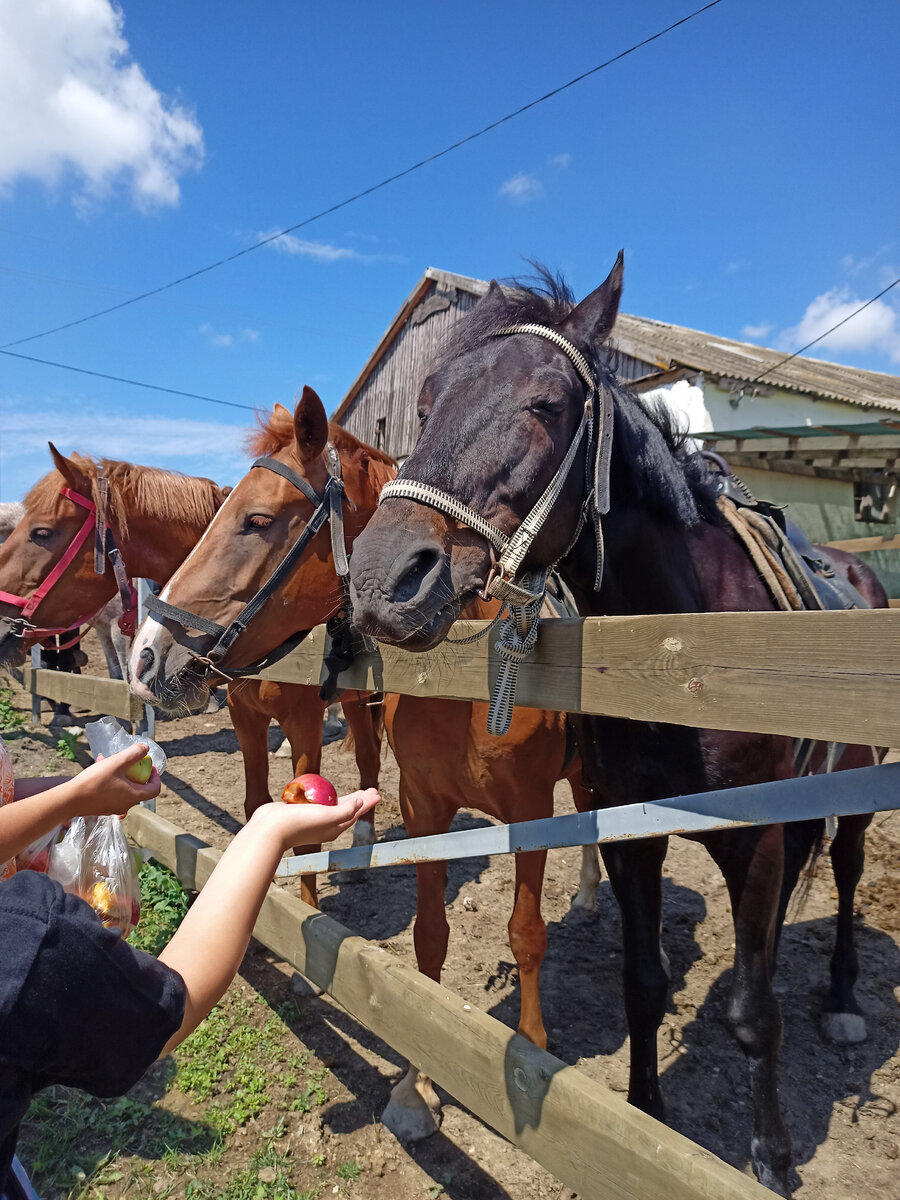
(89,1011)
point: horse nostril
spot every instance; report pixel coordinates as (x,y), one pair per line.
(410,581)
(146,665)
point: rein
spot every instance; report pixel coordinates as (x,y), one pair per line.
(524,592)
(104,547)
(327,508)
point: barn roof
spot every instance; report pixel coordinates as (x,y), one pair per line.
(675,349)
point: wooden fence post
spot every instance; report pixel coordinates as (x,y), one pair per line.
(37,661)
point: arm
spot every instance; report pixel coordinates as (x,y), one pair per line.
(208,947)
(100,788)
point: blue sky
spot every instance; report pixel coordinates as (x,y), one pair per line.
(747,162)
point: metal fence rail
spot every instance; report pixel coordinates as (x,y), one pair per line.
(841,794)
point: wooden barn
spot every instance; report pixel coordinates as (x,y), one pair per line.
(819,437)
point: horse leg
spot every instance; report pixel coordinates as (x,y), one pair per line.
(800,837)
(752,862)
(251,727)
(366,730)
(528,942)
(414,1110)
(299,712)
(585,898)
(635,872)
(843,1019)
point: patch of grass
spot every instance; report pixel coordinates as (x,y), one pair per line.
(267,1178)
(163,905)
(10,718)
(65,747)
(73,1142)
(349,1171)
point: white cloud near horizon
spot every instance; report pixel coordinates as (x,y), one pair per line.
(180,443)
(876,328)
(756,331)
(521,188)
(72,98)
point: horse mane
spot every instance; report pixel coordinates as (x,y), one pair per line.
(666,472)
(276,431)
(151,491)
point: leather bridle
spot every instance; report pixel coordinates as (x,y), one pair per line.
(524,592)
(104,547)
(327,508)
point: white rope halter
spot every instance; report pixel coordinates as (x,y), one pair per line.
(524,593)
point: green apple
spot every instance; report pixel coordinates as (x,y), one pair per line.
(140,771)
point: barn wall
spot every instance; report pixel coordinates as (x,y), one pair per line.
(391,390)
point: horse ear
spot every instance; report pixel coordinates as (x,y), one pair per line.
(71,472)
(280,411)
(592,321)
(494,293)
(310,425)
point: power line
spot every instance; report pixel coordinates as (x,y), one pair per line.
(369,190)
(153,387)
(822,336)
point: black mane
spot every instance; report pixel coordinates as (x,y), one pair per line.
(664,471)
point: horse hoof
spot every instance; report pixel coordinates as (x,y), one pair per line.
(364,834)
(414,1111)
(301,986)
(845,1029)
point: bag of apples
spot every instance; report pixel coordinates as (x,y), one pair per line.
(94,861)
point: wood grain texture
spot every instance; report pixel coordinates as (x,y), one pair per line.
(107,696)
(589,1138)
(833,676)
(861,545)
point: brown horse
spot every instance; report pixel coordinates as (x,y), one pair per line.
(522,417)
(157,518)
(447,760)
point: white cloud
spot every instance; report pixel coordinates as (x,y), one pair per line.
(71,98)
(521,188)
(754,332)
(876,328)
(217,338)
(250,335)
(320,251)
(560,160)
(196,447)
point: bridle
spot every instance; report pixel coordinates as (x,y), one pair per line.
(104,547)
(523,592)
(327,507)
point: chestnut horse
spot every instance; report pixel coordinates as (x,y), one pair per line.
(157,518)
(522,407)
(447,760)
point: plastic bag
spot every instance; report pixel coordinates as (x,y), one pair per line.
(107,737)
(93,860)
(36,857)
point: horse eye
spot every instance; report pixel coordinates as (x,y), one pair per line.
(41,534)
(423,416)
(258,521)
(547,407)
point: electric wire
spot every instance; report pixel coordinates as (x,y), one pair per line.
(366,191)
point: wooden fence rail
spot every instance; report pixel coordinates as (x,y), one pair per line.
(589,1138)
(833,676)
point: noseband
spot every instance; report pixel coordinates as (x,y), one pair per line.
(327,507)
(104,547)
(524,592)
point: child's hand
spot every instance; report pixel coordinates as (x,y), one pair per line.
(103,789)
(295,823)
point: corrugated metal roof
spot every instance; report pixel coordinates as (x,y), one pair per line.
(674,347)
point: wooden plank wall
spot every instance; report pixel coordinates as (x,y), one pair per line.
(108,696)
(589,1138)
(833,676)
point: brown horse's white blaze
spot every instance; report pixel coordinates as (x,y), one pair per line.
(447,760)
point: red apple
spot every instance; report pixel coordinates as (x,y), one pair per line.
(309,789)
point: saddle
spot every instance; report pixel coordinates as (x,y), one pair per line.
(811,579)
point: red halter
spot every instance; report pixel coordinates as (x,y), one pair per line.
(29,604)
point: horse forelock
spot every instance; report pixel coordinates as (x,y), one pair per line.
(137,491)
(276,432)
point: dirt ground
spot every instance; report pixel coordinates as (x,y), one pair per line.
(840,1102)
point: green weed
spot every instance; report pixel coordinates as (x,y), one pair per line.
(163,905)
(65,747)
(349,1171)
(10,718)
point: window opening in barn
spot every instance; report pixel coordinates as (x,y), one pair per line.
(875,503)
(380,433)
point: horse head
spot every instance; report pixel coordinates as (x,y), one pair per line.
(48,574)
(499,417)
(266,515)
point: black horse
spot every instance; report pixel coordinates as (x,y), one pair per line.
(499,413)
